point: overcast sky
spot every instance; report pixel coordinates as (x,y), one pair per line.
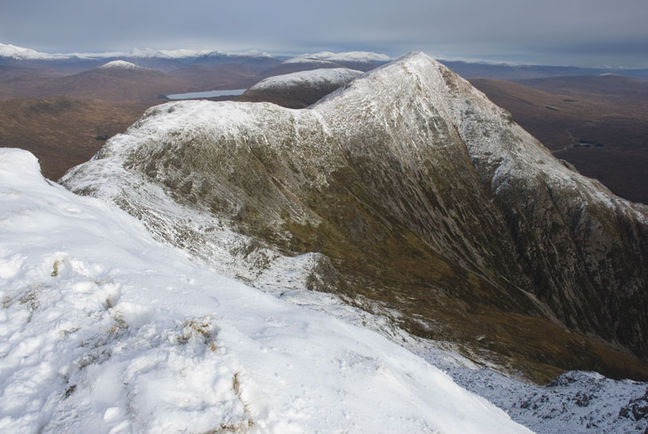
(573,32)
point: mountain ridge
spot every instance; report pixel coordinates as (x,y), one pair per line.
(299,89)
(419,200)
(108,330)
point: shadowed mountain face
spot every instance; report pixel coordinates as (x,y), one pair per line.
(423,199)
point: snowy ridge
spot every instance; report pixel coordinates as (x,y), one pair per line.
(314,77)
(135,337)
(350,56)
(121,64)
(432,86)
(184,52)
(20,53)
(15,52)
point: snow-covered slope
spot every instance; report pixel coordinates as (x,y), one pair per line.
(121,64)
(575,402)
(106,330)
(315,77)
(15,52)
(300,89)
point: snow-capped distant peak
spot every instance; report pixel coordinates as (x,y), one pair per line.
(21,53)
(121,64)
(349,56)
(338,76)
(15,52)
(185,53)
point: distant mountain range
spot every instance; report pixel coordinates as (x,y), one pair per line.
(170,59)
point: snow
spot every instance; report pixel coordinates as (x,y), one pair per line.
(121,64)
(491,137)
(21,53)
(15,52)
(349,56)
(105,329)
(184,53)
(321,76)
(575,402)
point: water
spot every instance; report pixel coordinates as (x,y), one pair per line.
(207,94)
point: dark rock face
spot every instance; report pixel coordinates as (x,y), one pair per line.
(587,261)
(426,198)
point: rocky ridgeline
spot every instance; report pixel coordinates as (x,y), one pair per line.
(420,196)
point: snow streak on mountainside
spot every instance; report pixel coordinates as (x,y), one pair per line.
(105,330)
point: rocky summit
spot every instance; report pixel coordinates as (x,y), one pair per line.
(409,194)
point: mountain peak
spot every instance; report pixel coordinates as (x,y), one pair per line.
(321,75)
(121,64)
(16,52)
(415,76)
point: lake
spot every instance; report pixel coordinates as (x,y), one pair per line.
(206,94)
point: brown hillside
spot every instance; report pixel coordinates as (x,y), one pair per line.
(599,124)
(63,132)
